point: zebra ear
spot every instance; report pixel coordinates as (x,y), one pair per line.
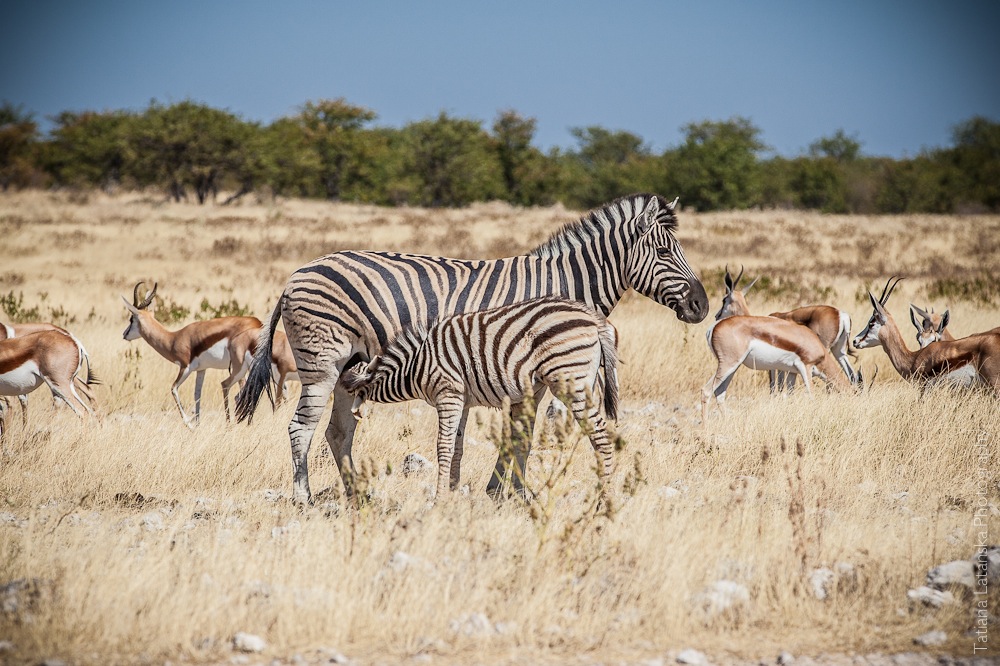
(373,364)
(647,219)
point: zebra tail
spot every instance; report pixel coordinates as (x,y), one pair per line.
(259,377)
(609,359)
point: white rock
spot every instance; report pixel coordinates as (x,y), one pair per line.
(6,646)
(931,638)
(473,625)
(400,561)
(153,522)
(722,596)
(334,656)
(958,572)
(692,657)
(414,463)
(271,495)
(930,597)
(819,581)
(785,658)
(291,528)
(668,492)
(987,562)
(245,642)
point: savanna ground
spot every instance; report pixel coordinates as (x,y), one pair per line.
(147,542)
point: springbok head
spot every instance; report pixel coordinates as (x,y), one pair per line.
(137,309)
(869,336)
(734,303)
(930,327)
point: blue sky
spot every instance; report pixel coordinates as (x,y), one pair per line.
(895,74)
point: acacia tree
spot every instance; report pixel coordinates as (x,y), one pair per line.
(452,161)
(189,145)
(333,130)
(18,136)
(89,148)
(604,166)
(529,178)
(716,167)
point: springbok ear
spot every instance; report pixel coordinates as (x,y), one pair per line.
(673,204)
(131,308)
(945,318)
(747,288)
(647,220)
(728,280)
(876,305)
(373,364)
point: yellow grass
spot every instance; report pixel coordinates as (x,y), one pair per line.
(215,548)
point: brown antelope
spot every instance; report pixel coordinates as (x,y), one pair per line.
(831,326)
(199,346)
(243,346)
(48,357)
(981,352)
(763,343)
(8,331)
(932,327)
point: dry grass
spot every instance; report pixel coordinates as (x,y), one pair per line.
(210,549)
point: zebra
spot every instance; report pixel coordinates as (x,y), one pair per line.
(481,358)
(345,307)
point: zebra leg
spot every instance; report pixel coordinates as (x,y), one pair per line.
(598,437)
(456,461)
(451,412)
(340,436)
(310,408)
(513,461)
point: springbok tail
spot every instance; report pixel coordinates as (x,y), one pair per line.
(258,378)
(609,359)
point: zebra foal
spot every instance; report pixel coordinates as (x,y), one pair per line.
(480,358)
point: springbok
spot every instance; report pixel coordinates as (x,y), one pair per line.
(932,327)
(763,343)
(243,346)
(831,326)
(981,352)
(199,346)
(48,357)
(8,331)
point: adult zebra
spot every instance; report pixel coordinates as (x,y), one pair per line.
(344,307)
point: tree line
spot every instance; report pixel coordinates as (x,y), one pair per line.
(333,149)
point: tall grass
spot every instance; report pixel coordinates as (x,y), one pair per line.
(150,542)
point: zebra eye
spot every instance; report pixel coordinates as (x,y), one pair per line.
(662,253)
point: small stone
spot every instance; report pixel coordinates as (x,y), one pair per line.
(819,579)
(722,596)
(931,638)
(249,642)
(692,657)
(667,492)
(785,658)
(6,646)
(473,625)
(930,597)
(958,572)
(414,463)
(153,522)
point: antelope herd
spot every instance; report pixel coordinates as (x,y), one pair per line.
(806,342)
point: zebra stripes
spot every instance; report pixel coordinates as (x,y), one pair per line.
(481,358)
(345,307)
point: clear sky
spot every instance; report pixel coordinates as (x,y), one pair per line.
(895,74)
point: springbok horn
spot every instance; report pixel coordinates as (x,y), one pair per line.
(885,297)
(747,288)
(135,294)
(149,297)
(738,277)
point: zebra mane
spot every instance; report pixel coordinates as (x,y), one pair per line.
(411,337)
(599,220)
